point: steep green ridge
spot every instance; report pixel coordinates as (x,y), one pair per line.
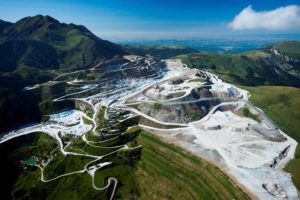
(158,51)
(288,48)
(282,104)
(260,67)
(167,172)
(45,43)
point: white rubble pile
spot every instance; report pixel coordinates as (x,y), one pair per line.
(67,118)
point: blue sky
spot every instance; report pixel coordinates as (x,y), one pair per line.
(126,19)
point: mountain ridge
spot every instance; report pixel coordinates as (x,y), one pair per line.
(70,45)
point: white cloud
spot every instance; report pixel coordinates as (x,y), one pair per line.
(283,18)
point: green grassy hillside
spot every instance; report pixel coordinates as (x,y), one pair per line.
(168,172)
(288,48)
(282,104)
(260,67)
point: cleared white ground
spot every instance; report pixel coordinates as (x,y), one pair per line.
(231,141)
(246,154)
(244,148)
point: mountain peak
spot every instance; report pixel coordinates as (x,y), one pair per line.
(46,22)
(68,45)
(40,27)
(39,19)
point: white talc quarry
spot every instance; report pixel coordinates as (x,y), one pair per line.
(244,148)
